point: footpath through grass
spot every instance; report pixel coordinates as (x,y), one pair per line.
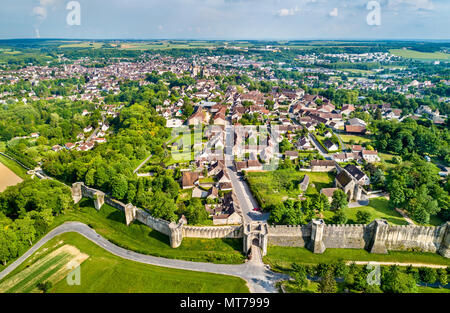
(110,223)
(105,272)
(283,257)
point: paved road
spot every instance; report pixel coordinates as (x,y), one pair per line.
(245,198)
(258,277)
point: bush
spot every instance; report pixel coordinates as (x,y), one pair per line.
(45,286)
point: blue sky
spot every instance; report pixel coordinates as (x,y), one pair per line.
(226,19)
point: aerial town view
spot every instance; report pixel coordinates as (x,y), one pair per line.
(198,147)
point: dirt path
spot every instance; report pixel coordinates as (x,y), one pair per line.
(399,264)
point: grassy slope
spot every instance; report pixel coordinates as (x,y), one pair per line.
(378,208)
(110,223)
(105,272)
(283,257)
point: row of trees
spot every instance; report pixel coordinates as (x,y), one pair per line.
(339,277)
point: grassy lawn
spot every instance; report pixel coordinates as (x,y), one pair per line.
(110,223)
(432,290)
(13,166)
(356,138)
(273,187)
(378,208)
(283,257)
(101,271)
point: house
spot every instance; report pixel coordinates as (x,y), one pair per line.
(304,144)
(99,140)
(105,127)
(328,134)
(216,168)
(220,119)
(344,157)
(331,146)
(355,129)
(199,193)
(69,146)
(348,184)
(370,156)
(292,155)
(34,135)
(189,179)
(174,122)
(359,175)
(57,148)
(223,177)
(88,129)
(212,193)
(356,122)
(328,192)
(323,165)
(199,117)
(347,109)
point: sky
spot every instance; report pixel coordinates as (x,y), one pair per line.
(226,19)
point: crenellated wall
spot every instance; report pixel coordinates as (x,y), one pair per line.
(176,232)
(291,236)
(213,232)
(377,237)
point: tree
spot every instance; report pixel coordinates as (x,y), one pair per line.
(340,217)
(428,275)
(45,286)
(327,283)
(442,276)
(119,186)
(321,202)
(300,275)
(340,200)
(395,281)
(363,217)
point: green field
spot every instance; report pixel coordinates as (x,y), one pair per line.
(110,223)
(357,139)
(103,272)
(405,53)
(283,257)
(273,187)
(378,208)
(13,166)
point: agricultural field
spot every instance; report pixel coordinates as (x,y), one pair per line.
(7,177)
(282,257)
(276,186)
(405,53)
(378,209)
(101,271)
(110,223)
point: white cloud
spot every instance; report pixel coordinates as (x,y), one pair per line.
(40,13)
(334,12)
(288,12)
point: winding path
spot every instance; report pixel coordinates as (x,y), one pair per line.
(257,275)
